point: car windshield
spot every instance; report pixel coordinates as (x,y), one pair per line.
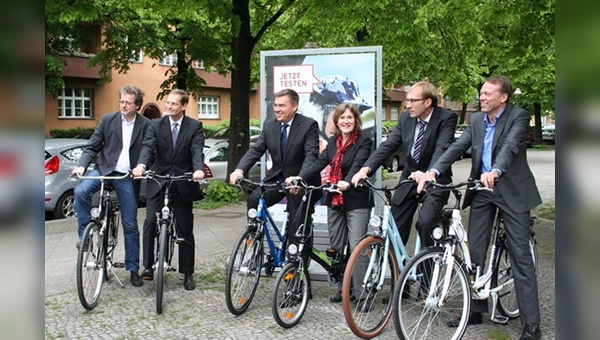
(221,133)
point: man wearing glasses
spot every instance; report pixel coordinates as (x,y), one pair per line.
(424,131)
(115,148)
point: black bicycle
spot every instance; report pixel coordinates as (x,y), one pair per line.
(166,232)
(292,285)
(98,242)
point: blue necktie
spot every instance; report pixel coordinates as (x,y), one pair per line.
(284,137)
(419,142)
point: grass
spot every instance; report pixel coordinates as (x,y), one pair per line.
(498,335)
(206,204)
(546,210)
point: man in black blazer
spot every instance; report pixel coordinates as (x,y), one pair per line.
(497,137)
(115,148)
(439,125)
(301,150)
(173,145)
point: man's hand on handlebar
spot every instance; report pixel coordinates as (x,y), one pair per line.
(233,177)
(424,178)
(293,182)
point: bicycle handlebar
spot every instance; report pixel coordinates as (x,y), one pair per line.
(365,181)
(474,185)
(79,176)
(330,187)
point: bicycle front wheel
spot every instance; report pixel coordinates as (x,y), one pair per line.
(431,293)
(290,296)
(368,286)
(243,271)
(161,266)
(90,266)
(503,275)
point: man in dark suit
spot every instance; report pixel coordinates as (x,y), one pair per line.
(292,141)
(173,145)
(424,131)
(497,137)
(115,148)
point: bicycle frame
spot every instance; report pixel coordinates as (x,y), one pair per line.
(268,224)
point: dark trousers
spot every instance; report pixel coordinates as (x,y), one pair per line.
(426,220)
(185,229)
(483,210)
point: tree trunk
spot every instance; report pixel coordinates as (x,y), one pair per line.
(537,114)
(463,113)
(241,51)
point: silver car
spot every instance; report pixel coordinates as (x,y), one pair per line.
(216,152)
(62,156)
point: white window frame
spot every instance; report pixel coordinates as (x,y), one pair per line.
(76,105)
(208,107)
(168,59)
(394,113)
(136,56)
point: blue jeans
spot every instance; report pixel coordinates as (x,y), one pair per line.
(128,205)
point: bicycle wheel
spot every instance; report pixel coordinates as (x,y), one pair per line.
(90,266)
(507,297)
(160,266)
(420,312)
(371,310)
(290,296)
(243,271)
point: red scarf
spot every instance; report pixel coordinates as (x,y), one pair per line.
(336,165)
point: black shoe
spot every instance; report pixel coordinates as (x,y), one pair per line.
(148,274)
(337,297)
(136,279)
(365,305)
(475,318)
(406,292)
(531,331)
(78,244)
(188,282)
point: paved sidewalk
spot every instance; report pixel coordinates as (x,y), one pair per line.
(129,312)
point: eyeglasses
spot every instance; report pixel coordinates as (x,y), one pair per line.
(411,100)
(121,102)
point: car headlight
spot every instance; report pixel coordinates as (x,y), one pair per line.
(95,212)
(293,249)
(252,213)
(438,233)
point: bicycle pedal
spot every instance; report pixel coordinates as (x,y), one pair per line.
(118,264)
(172,269)
(500,320)
(179,240)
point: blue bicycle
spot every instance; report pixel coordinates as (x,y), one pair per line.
(248,258)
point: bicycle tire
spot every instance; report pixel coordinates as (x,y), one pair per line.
(90,266)
(243,271)
(110,239)
(507,297)
(366,316)
(160,267)
(417,314)
(290,296)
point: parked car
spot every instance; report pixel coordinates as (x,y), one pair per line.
(61,157)
(457,133)
(216,153)
(223,133)
(548,134)
(397,161)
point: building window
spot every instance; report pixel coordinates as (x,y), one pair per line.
(394,113)
(208,107)
(198,64)
(169,59)
(75,103)
(137,56)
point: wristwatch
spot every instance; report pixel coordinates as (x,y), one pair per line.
(498,172)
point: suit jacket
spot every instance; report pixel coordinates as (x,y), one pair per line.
(353,160)
(187,156)
(509,154)
(106,143)
(439,134)
(302,149)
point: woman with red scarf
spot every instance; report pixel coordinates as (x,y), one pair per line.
(346,152)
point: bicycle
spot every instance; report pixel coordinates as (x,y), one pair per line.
(247,256)
(376,272)
(98,242)
(292,285)
(166,235)
(447,280)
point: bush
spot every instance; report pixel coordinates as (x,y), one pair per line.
(387,126)
(218,191)
(79,132)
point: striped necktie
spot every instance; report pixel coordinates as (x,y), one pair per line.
(418,144)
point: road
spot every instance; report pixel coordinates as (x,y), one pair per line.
(129,312)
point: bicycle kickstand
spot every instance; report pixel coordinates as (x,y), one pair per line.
(110,266)
(498,319)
